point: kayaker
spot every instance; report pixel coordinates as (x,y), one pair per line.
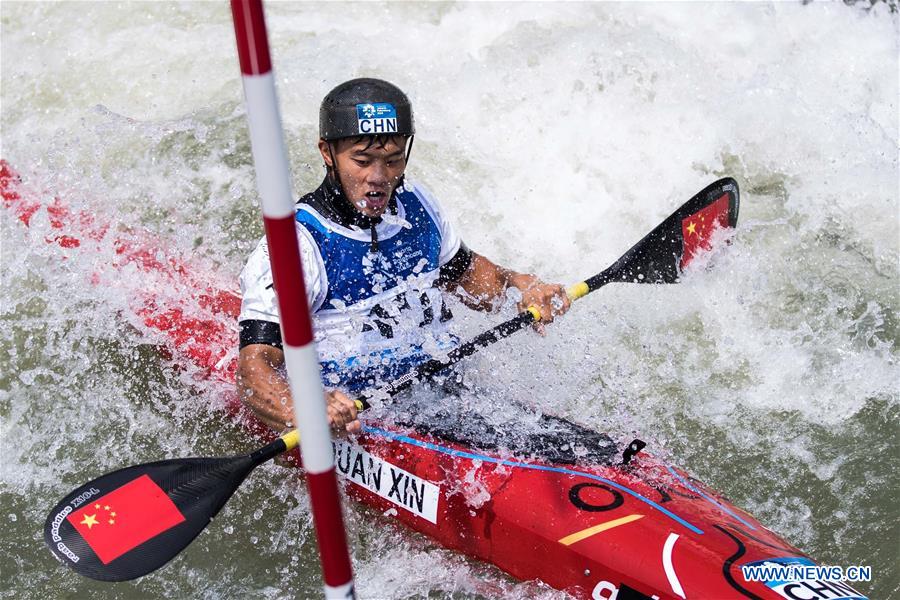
(379,254)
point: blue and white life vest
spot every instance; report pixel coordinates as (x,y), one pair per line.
(375,314)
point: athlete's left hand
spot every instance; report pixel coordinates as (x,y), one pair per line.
(549,298)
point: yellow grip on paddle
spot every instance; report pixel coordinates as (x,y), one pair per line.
(291,439)
(577,291)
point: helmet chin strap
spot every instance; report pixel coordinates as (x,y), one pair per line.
(408,149)
(332,170)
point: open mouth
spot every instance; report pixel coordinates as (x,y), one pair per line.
(375,200)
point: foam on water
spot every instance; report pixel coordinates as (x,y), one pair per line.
(557,134)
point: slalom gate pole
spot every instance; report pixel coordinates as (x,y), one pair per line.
(274,184)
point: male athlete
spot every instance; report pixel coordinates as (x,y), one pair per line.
(378,256)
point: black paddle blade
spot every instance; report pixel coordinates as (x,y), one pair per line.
(130,522)
(664,252)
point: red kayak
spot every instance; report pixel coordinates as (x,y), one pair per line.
(598,524)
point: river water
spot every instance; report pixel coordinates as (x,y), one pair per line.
(556,135)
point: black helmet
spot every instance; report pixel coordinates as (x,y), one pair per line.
(365,107)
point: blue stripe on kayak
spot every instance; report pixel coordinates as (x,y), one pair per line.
(521,465)
(724,509)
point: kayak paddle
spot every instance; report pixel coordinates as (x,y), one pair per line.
(130,522)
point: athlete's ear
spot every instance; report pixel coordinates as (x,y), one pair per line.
(325,151)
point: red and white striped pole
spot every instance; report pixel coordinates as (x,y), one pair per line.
(273,181)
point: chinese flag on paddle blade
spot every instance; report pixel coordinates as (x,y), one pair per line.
(698,227)
(125,518)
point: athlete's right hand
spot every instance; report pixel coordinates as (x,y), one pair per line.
(342,412)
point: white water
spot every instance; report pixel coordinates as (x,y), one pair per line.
(557,135)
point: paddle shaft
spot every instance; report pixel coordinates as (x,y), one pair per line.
(482,340)
(290,440)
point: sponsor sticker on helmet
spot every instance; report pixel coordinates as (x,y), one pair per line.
(376,118)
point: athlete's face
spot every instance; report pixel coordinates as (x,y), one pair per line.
(369,172)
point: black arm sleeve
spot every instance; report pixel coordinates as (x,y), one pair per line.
(254,331)
(456,266)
